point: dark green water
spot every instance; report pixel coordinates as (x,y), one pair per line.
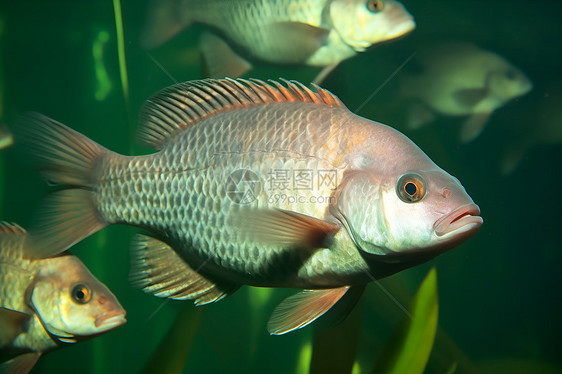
(499,293)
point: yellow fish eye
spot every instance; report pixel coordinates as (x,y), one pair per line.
(410,188)
(81,294)
(374,6)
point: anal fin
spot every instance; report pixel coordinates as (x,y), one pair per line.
(157,269)
(299,310)
(473,126)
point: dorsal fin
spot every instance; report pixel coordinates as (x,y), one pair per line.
(179,106)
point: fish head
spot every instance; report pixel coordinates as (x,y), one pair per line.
(506,82)
(394,201)
(362,23)
(71,303)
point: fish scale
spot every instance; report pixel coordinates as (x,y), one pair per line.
(262,13)
(206,145)
(15,272)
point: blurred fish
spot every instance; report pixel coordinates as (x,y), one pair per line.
(460,79)
(45,303)
(6,138)
(366,201)
(540,127)
(303,32)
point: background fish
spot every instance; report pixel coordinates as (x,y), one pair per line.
(6,138)
(540,127)
(304,32)
(460,79)
(47,302)
(216,200)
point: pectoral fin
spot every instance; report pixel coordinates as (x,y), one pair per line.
(301,309)
(157,269)
(12,323)
(21,364)
(284,228)
(473,126)
(300,40)
(471,96)
(220,59)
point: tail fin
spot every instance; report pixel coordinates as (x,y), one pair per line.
(68,159)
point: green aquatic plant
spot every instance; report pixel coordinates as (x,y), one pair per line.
(409,348)
(121,49)
(171,355)
(102,77)
(334,350)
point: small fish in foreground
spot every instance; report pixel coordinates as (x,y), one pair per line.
(255,184)
(47,303)
(460,79)
(321,33)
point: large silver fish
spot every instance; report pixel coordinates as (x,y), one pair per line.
(303,32)
(45,303)
(255,184)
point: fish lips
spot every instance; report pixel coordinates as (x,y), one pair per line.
(110,320)
(463,222)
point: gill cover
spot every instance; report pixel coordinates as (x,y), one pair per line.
(359,208)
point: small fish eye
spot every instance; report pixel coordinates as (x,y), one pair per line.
(410,188)
(374,6)
(81,294)
(510,74)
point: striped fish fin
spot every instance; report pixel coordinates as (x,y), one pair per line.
(179,106)
(12,238)
(299,310)
(7,228)
(157,269)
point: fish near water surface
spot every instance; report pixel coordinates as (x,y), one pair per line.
(254,184)
(460,79)
(46,303)
(298,32)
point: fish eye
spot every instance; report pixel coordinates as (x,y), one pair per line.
(374,6)
(510,74)
(81,294)
(410,188)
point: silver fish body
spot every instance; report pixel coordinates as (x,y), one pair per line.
(47,302)
(305,32)
(220,221)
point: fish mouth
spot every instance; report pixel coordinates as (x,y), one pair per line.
(464,220)
(110,320)
(402,21)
